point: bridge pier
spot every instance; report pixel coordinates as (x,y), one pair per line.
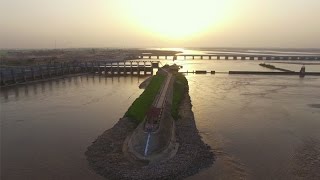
(3,80)
(69,68)
(218,57)
(251,58)
(118,68)
(74,68)
(86,66)
(56,69)
(111,68)
(201,57)
(125,69)
(209,57)
(92,67)
(105,68)
(41,72)
(13,75)
(24,74)
(49,70)
(62,68)
(99,71)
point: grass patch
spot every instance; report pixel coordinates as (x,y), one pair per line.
(179,88)
(141,105)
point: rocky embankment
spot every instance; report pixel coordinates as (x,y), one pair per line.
(106,156)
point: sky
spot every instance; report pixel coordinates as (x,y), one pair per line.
(159,23)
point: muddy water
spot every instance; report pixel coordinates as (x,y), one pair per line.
(46,127)
(260,127)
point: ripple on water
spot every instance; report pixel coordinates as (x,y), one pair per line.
(307,160)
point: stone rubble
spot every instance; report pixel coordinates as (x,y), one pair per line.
(105,155)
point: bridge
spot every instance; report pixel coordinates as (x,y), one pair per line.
(225,56)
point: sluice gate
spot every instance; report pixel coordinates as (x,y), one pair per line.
(20,74)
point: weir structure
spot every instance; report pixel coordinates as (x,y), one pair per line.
(20,74)
(154,139)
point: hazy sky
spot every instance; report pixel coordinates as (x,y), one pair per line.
(159,23)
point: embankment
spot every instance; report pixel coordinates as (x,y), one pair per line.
(106,156)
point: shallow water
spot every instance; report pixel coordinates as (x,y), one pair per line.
(259,127)
(46,127)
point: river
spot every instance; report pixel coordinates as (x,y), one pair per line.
(46,127)
(260,127)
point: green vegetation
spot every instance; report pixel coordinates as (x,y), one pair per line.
(141,105)
(179,88)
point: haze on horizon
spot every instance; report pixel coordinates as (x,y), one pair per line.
(159,23)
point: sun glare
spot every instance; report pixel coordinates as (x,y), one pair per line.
(176,19)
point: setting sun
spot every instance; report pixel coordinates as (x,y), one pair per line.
(178,19)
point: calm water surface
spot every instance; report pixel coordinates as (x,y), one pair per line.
(260,127)
(46,127)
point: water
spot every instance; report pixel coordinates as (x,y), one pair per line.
(257,125)
(260,127)
(46,127)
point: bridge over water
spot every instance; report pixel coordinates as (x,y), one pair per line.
(231,56)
